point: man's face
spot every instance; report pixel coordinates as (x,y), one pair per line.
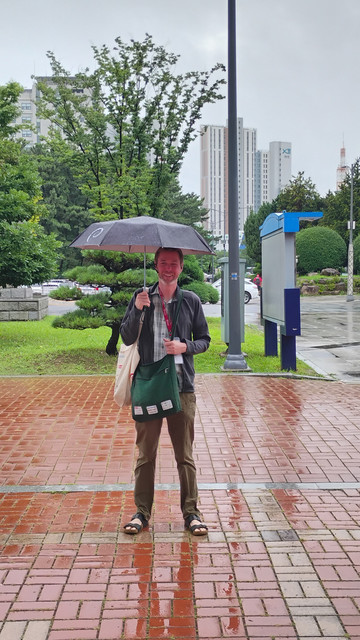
(169,267)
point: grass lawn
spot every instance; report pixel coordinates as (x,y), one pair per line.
(37,348)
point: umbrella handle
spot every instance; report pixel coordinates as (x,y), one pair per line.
(144,268)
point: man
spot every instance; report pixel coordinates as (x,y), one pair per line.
(258,281)
(192,336)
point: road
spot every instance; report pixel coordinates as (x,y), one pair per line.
(330,336)
(330,332)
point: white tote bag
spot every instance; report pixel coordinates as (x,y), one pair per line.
(128,360)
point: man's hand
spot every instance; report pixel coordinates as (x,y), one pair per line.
(174,347)
(142,300)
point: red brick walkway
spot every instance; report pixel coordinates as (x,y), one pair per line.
(279,473)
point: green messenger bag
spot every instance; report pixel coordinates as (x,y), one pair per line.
(155,389)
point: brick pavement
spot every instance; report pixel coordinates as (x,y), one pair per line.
(279,472)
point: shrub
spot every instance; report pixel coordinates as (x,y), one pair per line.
(356,246)
(205,291)
(78,320)
(66,293)
(318,248)
(192,271)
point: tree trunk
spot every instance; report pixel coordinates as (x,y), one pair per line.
(111,349)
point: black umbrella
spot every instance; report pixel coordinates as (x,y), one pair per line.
(141,234)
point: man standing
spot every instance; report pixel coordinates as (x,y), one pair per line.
(156,340)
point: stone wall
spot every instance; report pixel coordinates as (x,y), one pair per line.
(21,304)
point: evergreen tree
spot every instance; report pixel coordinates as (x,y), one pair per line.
(67,207)
(27,253)
(299,195)
(337,206)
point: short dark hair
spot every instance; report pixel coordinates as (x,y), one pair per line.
(178,251)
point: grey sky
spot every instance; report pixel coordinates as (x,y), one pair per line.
(297,63)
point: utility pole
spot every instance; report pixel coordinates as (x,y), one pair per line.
(235,359)
(350,279)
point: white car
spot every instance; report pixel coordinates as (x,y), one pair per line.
(46,287)
(250,289)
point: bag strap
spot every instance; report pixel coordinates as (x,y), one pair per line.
(141,322)
(180,299)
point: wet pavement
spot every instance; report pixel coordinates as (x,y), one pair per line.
(279,476)
(330,336)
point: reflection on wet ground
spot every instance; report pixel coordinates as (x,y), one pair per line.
(279,476)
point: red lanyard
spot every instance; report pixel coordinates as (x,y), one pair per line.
(166,317)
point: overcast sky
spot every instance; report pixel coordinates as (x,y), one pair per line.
(298,63)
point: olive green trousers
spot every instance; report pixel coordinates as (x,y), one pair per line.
(181,431)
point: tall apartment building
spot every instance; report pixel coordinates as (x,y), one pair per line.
(27,116)
(261,175)
(261,179)
(246,171)
(214,178)
(280,167)
(28,113)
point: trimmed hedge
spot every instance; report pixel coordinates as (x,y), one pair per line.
(66,293)
(319,248)
(206,292)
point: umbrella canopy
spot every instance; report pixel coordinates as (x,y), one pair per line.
(141,234)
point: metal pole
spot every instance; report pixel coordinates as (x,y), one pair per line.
(235,359)
(350,280)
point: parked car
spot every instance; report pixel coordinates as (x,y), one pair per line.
(89,289)
(46,287)
(250,289)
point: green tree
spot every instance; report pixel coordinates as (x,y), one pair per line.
(126,126)
(67,207)
(123,130)
(337,206)
(318,248)
(252,230)
(9,109)
(356,247)
(299,195)
(27,253)
(122,273)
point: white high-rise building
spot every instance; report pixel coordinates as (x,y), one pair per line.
(261,174)
(279,167)
(27,116)
(214,179)
(246,169)
(28,112)
(261,179)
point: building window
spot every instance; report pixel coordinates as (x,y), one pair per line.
(26,106)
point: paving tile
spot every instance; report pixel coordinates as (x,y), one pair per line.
(280,561)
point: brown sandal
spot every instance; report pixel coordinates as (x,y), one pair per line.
(195,529)
(135,525)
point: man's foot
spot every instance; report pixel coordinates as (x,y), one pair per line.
(137,524)
(195,526)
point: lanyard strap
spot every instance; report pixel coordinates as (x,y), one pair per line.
(168,321)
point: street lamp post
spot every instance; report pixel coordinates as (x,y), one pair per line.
(235,359)
(350,279)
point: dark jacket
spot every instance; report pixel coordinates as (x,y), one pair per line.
(192,328)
